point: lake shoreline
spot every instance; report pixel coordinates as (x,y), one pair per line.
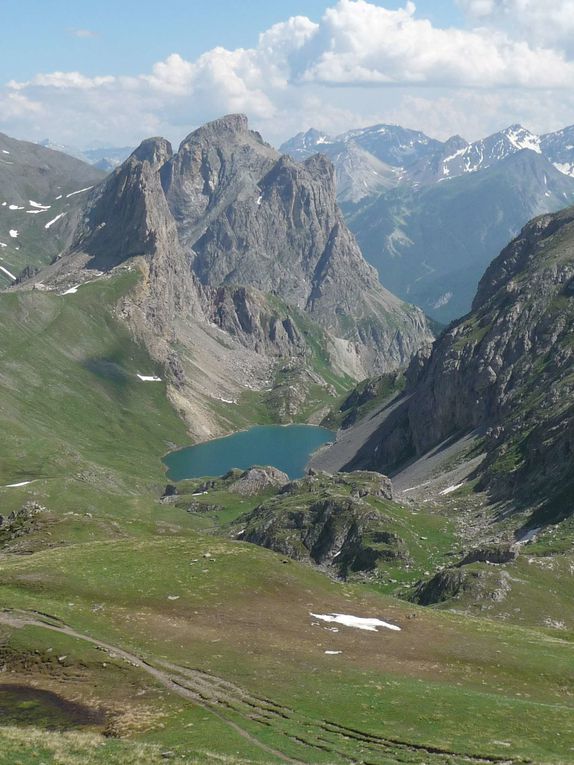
(299,441)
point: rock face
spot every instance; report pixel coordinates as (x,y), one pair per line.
(505,370)
(245,261)
(445,585)
(248,216)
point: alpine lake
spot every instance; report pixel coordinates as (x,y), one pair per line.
(286,447)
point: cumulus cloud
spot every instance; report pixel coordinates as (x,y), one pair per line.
(304,72)
(63,81)
(370,44)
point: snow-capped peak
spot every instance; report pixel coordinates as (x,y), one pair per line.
(521,138)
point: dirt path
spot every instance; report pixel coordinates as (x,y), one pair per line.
(18,620)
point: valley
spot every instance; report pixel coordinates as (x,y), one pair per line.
(415,579)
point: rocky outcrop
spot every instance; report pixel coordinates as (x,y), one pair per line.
(496,554)
(314,520)
(446,585)
(256,480)
(505,371)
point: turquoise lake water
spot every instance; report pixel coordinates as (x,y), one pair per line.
(285,447)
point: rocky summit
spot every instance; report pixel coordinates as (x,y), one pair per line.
(246,262)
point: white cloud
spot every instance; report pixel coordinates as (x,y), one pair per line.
(359,64)
(370,44)
(17,105)
(82,33)
(63,81)
(542,22)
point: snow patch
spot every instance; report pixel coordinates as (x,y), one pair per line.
(15,207)
(8,272)
(450,489)
(51,222)
(5,152)
(524,139)
(149,378)
(13,233)
(38,205)
(71,290)
(16,485)
(567,168)
(333,653)
(79,191)
(528,535)
(361,623)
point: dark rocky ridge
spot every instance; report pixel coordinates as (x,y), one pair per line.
(31,173)
(506,370)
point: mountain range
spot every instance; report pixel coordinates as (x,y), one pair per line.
(419,615)
(105,158)
(431,215)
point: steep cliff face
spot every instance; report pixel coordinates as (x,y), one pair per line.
(507,369)
(248,216)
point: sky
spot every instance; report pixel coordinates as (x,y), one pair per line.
(109,73)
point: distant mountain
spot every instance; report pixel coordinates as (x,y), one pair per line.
(431,243)
(431,215)
(41,192)
(104,159)
(108,158)
(366,161)
(559,148)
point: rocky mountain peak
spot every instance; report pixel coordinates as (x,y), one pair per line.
(455,142)
(229,126)
(156,151)
(225,222)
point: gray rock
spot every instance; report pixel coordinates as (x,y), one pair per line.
(259,479)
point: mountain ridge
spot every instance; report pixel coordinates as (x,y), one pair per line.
(504,372)
(231,237)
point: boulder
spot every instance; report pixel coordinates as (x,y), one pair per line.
(258,479)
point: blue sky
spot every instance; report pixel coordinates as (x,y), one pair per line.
(112,73)
(130,35)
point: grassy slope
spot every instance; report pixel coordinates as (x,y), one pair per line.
(132,573)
